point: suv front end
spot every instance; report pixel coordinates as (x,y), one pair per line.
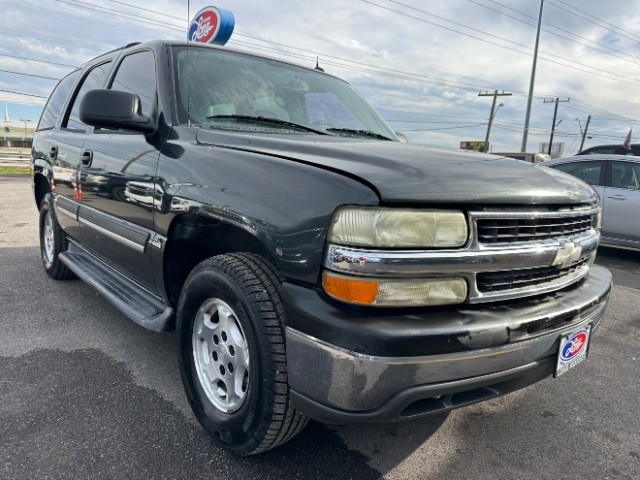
(426,310)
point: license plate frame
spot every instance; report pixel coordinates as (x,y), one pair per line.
(573,349)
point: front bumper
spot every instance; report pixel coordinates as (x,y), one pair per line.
(357,368)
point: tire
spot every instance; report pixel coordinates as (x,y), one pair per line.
(230,326)
(53,241)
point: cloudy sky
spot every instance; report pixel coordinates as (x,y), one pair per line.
(421,64)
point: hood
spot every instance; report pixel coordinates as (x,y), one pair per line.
(403,173)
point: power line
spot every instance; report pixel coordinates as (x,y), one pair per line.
(617,31)
(25,94)
(89,6)
(443,128)
(30,75)
(37,60)
(625,78)
(368,68)
(98,8)
(562,36)
(616,27)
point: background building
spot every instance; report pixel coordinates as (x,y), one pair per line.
(16,133)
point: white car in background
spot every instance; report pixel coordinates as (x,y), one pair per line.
(616,178)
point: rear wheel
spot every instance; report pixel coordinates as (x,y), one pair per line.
(53,241)
(232,353)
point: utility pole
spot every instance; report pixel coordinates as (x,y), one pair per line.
(531,83)
(495,95)
(584,134)
(555,114)
(25,126)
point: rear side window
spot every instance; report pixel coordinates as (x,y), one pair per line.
(602,151)
(586,171)
(137,74)
(625,175)
(53,109)
(94,79)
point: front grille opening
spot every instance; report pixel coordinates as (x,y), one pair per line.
(512,279)
(507,230)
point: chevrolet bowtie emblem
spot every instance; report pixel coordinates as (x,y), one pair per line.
(568,254)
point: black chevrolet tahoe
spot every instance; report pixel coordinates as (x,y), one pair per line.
(312,265)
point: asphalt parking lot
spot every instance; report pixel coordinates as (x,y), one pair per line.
(86,393)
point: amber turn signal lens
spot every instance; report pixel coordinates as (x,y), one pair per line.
(362,292)
(410,292)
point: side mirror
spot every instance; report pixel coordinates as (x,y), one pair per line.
(114,109)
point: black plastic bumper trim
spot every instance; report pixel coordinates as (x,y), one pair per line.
(423,400)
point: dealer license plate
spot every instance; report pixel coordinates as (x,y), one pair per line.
(574,348)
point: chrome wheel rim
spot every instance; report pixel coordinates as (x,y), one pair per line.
(221,355)
(47,237)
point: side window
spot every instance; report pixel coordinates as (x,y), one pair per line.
(94,79)
(586,171)
(602,151)
(625,175)
(54,106)
(137,74)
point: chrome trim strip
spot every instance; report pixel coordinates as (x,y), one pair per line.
(66,212)
(62,207)
(125,241)
(527,215)
(412,263)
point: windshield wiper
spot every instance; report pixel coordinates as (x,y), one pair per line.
(275,121)
(366,133)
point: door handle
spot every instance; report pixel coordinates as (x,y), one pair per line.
(86,158)
(53,152)
(617,197)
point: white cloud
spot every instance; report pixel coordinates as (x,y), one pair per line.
(361,32)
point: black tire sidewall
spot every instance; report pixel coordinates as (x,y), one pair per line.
(235,428)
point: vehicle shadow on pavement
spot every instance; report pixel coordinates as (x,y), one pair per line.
(86,393)
(84,415)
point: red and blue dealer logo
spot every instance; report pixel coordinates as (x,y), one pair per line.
(574,346)
(212,25)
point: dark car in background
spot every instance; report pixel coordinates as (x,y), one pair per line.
(616,178)
(612,150)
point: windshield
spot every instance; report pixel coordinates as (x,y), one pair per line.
(222,84)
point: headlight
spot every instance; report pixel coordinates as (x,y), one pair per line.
(599,219)
(400,228)
(396,292)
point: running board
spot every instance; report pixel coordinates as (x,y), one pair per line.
(136,303)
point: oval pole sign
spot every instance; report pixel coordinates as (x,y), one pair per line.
(212,25)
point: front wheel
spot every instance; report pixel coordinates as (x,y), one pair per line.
(230,324)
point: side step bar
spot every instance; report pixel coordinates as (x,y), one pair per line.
(137,304)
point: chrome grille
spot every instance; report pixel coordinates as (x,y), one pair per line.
(516,230)
(508,280)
